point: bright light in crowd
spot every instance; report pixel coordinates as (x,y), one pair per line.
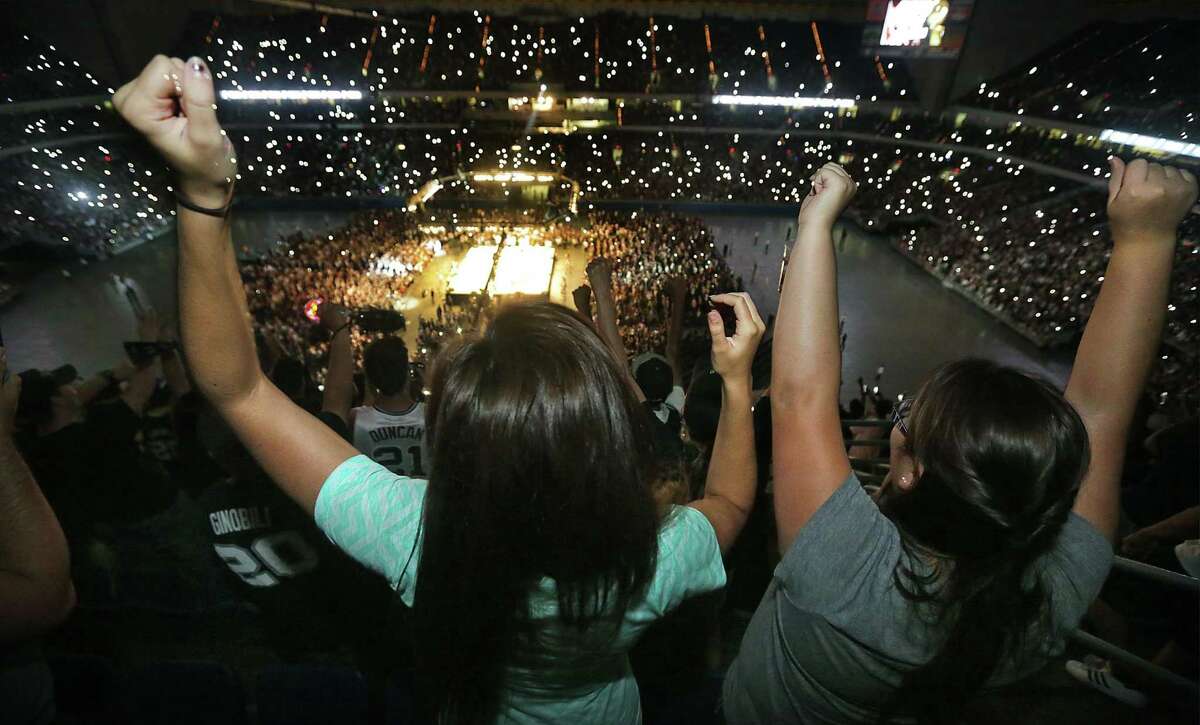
(516,177)
(783,101)
(297,94)
(1151,142)
(540,103)
(312,309)
(388,266)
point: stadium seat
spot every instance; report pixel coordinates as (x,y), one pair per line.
(311,694)
(185,693)
(85,690)
(696,705)
(400,706)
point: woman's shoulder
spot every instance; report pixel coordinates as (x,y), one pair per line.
(688,562)
(685,528)
(848,543)
(1075,569)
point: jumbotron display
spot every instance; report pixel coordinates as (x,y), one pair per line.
(917,28)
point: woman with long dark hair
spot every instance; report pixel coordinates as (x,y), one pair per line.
(535,554)
(991,533)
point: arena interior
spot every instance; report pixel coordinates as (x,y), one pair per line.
(409,179)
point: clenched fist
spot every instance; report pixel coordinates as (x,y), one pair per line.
(333,316)
(1147,201)
(173,104)
(599,273)
(832,189)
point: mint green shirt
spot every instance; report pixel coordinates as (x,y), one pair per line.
(375,515)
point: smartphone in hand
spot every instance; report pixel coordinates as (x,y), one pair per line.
(728,317)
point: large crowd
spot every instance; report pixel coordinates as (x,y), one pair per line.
(370,263)
(939,206)
(374,260)
(1132,77)
(83,201)
(548,447)
(649,250)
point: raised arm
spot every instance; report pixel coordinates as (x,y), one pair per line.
(677,289)
(339,377)
(1146,202)
(36,592)
(732,473)
(809,456)
(599,272)
(173,105)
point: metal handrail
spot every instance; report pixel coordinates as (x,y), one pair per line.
(1133,662)
(1128,659)
(1158,574)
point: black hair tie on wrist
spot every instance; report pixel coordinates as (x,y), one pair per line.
(220,213)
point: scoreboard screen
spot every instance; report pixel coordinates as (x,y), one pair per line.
(916,28)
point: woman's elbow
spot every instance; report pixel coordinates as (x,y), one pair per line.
(36,608)
(224,394)
(63,604)
(792,400)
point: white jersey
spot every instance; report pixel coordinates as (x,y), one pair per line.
(394,440)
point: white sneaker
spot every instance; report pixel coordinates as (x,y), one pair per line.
(1104,681)
(1188,554)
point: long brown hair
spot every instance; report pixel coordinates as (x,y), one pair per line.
(1002,456)
(539,453)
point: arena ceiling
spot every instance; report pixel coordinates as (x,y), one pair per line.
(114,38)
(845,10)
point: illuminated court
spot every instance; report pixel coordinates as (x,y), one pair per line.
(509,262)
(521,270)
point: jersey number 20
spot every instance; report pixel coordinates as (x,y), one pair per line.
(269,558)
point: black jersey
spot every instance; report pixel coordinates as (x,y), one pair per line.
(310,595)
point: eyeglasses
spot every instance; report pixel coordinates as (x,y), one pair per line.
(900,416)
